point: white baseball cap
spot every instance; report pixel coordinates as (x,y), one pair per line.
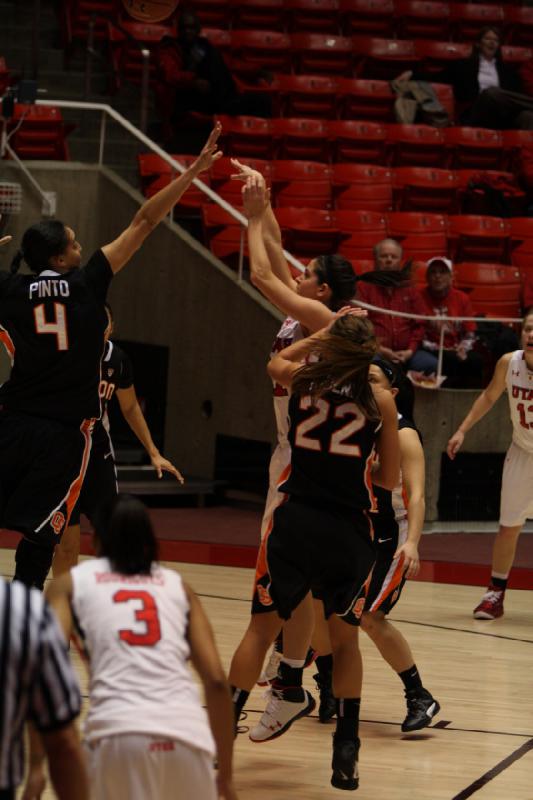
(440,260)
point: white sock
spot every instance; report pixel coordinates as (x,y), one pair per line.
(295,663)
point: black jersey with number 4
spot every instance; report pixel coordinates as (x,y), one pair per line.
(117,373)
(332,446)
(53,326)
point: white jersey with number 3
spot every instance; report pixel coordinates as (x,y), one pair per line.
(519,380)
(135,631)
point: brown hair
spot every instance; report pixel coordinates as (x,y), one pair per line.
(342,356)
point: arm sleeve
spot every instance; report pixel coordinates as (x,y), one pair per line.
(98,274)
(55,697)
(126,371)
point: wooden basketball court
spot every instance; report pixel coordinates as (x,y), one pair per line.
(481,745)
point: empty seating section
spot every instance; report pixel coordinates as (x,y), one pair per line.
(39,132)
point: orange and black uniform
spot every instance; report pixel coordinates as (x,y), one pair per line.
(52,326)
(100,483)
(321,537)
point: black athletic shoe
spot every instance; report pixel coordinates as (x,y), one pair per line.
(344,764)
(421,708)
(327,707)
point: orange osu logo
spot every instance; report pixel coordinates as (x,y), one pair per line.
(359,607)
(57,522)
(264,595)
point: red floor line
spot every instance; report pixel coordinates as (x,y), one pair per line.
(230,555)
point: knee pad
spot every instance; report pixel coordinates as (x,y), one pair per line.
(32,563)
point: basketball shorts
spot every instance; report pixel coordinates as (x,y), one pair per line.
(100,485)
(314,546)
(139,767)
(277,473)
(516,503)
(388,576)
(42,466)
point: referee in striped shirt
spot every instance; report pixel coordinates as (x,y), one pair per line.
(37,685)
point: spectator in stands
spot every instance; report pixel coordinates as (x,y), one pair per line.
(193,77)
(489,92)
(462,366)
(399,337)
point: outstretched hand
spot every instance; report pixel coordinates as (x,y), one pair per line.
(210,152)
(244,172)
(255,196)
(161,464)
(411,562)
(454,444)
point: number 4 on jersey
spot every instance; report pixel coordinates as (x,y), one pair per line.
(58,326)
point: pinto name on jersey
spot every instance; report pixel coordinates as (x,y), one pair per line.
(51,287)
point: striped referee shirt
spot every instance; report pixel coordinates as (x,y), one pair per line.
(37,681)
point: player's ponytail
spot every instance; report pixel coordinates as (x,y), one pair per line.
(40,243)
(17,261)
(340,360)
(125,536)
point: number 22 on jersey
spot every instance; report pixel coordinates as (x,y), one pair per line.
(58,326)
(338,444)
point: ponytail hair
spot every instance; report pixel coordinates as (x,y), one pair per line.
(40,243)
(340,359)
(337,272)
(126,537)
(405,398)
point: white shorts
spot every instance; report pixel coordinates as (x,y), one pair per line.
(517,487)
(136,766)
(279,461)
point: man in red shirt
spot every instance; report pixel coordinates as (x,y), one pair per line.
(399,337)
(462,365)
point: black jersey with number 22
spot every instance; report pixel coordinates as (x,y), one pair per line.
(53,326)
(332,445)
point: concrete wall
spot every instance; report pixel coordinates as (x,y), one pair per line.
(218,333)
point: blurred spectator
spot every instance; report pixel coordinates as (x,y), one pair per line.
(193,77)
(399,337)
(462,366)
(489,91)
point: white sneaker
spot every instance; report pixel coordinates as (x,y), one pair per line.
(279,715)
(271,668)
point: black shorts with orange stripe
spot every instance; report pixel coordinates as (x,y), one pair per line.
(388,578)
(315,546)
(100,485)
(42,465)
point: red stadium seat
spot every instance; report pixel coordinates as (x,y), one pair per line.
(513,141)
(352,140)
(126,45)
(436,56)
(422,19)
(39,132)
(521,241)
(478,238)
(445,97)
(308,231)
(421,235)
(307,95)
(269,50)
(493,289)
(519,23)
(474,147)
(322,54)
(360,230)
(383,59)
(76,16)
(265,15)
(213,13)
(473,185)
(247,136)
(425,189)
(301,183)
(223,233)
(301,138)
(374,17)
(362,186)
(468,18)
(321,16)
(515,55)
(220,38)
(365,99)
(415,145)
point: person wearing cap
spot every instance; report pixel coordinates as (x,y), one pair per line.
(399,337)
(462,366)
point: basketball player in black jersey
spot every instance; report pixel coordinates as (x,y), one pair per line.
(321,537)
(52,323)
(100,485)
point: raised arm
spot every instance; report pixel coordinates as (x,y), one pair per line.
(270,228)
(132,413)
(283,365)
(312,314)
(205,658)
(150,214)
(481,405)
